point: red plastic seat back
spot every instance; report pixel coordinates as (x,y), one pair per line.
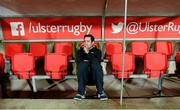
(1,62)
(113,48)
(155,63)
(178,57)
(38,49)
(64,48)
(56,65)
(117,65)
(164,47)
(139,48)
(23,64)
(13,48)
(117,62)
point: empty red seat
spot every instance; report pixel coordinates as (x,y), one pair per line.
(113,48)
(164,47)
(1,63)
(64,48)
(178,57)
(139,48)
(154,64)
(56,65)
(13,48)
(23,65)
(128,64)
(38,49)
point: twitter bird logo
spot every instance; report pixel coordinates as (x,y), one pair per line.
(117,28)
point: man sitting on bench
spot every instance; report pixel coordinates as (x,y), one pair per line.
(89,58)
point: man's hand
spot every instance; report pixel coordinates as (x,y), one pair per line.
(86,49)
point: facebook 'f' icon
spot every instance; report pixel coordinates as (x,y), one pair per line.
(17,28)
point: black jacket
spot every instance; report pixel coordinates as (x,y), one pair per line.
(94,55)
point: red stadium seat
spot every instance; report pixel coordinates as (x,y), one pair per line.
(13,48)
(113,48)
(164,47)
(64,48)
(56,65)
(1,63)
(23,65)
(139,49)
(154,64)
(38,49)
(178,57)
(128,65)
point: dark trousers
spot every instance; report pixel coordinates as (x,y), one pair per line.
(85,68)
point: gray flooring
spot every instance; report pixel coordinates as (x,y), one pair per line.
(138,93)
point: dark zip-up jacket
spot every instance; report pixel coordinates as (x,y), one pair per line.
(94,55)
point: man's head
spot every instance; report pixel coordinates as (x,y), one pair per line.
(88,40)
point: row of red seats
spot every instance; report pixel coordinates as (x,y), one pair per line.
(37,49)
(154,62)
(55,65)
(23,63)
(139,48)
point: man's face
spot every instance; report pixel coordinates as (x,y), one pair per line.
(87,42)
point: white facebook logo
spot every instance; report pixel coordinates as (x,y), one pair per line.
(17,28)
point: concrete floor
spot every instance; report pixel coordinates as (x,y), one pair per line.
(137,103)
(137,94)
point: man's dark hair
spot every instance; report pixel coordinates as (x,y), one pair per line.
(89,35)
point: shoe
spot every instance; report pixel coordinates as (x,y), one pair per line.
(79,97)
(102,96)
